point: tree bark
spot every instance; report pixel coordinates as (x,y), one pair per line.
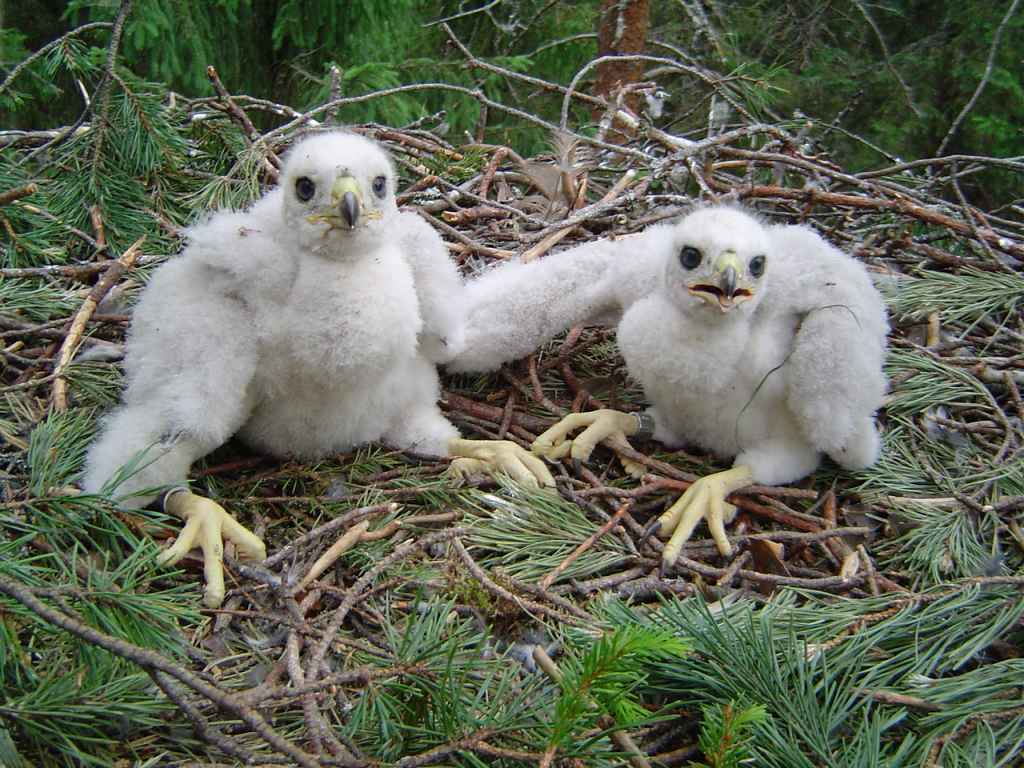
(621,30)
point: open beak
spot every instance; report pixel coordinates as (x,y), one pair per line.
(727,288)
(346,198)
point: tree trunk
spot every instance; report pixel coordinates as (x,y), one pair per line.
(621,30)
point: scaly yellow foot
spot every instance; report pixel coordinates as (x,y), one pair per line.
(207,525)
(705,499)
(611,427)
(489,456)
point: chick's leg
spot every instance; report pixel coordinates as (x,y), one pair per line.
(131,438)
(611,427)
(207,526)
(489,456)
(705,499)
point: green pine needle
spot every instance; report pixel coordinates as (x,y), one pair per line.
(958,298)
(528,534)
(725,732)
(610,674)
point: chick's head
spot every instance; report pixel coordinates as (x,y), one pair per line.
(717,263)
(338,192)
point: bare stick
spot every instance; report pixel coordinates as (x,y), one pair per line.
(348,540)
(478,95)
(17,193)
(900,700)
(74,337)
(535,81)
(827,583)
(463,14)
(984,79)
(900,205)
(590,211)
(404,550)
(888,59)
(272,163)
(504,594)
(548,580)
(208,733)
(326,528)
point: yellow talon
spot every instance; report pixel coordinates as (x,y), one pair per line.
(705,499)
(207,525)
(606,425)
(490,456)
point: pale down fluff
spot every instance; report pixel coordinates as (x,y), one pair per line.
(285,325)
(791,372)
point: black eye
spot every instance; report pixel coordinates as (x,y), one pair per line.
(757,266)
(690,257)
(380,186)
(304,188)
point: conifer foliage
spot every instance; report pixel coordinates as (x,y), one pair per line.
(869,619)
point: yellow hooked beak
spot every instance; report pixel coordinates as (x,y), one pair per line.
(730,284)
(346,197)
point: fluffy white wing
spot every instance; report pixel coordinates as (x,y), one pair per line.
(191,353)
(438,287)
(834,376)
(516,307)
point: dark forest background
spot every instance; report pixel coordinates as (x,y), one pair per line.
(895,74)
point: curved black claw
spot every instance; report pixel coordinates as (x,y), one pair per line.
(649,530)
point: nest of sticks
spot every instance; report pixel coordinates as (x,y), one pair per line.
(369,547)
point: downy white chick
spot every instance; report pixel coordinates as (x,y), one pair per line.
(308,324)
(754,341)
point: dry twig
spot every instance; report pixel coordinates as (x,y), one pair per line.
(74,337)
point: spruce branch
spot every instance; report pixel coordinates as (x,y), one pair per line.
(150,660)
(548,580)
(725,733)
(602,680)
(27,62)
(101,93)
